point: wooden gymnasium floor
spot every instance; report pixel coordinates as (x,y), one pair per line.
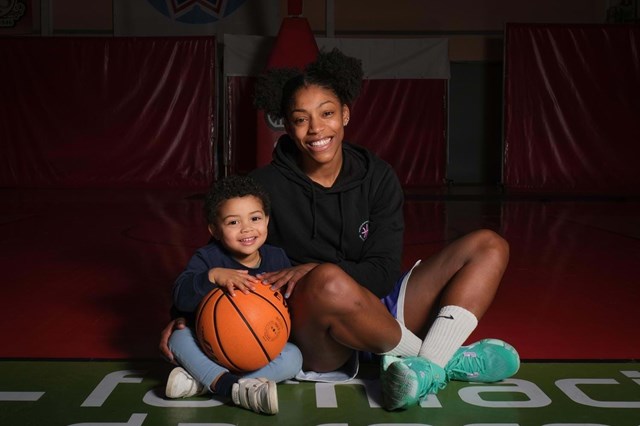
(86,276)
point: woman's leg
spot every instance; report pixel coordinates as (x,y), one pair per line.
(466,273)
(462,279)
(445,297)
(332,315)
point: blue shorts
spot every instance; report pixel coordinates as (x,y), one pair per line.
(391,299)
(394,303)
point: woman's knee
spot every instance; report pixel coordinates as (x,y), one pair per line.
(491,245)
(329,282)
(327,291)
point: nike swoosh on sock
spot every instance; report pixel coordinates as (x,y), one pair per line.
(445,316)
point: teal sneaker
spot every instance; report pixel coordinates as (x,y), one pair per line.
(486,361)
(407,381)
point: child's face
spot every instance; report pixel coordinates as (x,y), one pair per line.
(241,226)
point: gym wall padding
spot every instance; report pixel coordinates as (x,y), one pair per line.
(404,122)
(572,109)
(107,112)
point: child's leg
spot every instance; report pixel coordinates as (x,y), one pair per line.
(185,348)
(259,395)
(284,367)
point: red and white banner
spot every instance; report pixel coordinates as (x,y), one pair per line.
(294,47)
(195,17)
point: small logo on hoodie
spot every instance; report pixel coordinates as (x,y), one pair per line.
(363,232)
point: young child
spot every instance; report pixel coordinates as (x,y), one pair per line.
(237,211)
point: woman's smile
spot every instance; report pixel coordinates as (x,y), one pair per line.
(320,144)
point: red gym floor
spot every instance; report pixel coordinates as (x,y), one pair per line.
(86,274)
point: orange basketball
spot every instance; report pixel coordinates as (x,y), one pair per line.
(245,332)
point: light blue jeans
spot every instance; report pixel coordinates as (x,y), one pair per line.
(186,351)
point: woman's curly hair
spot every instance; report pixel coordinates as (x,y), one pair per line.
(332,70)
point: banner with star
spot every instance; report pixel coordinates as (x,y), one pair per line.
(195,17)
(16,17)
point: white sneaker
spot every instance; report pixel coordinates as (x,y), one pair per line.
(181,384)
(259,395)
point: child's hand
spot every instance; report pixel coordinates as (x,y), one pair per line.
(231,279)
(286,277)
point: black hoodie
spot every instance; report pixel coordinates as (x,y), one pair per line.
(356,224)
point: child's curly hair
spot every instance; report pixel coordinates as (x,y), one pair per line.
(233,187)
(332,70)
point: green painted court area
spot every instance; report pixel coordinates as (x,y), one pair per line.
(51,393)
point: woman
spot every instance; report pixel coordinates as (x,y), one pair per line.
(337,212)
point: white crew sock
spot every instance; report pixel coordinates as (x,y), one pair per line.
(450,329)
(409,344)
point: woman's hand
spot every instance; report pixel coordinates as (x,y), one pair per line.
(231,279)
(286,277)
(176,324)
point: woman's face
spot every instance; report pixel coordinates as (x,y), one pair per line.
(316,124)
